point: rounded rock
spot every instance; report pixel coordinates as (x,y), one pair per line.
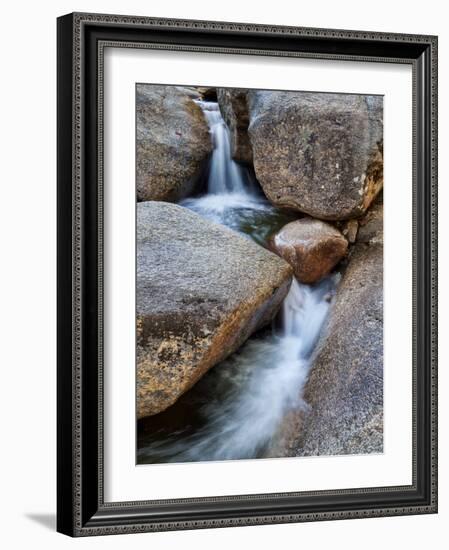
(312,247)
(173,142)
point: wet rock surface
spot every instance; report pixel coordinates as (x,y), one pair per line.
(202,290)
(173,142)
(312,247)
(234,109)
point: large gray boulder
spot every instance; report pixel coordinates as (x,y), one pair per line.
(345,388)
(234,110)
(319,153)
(202,290)
(173,142)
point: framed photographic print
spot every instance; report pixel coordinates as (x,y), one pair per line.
(246,274)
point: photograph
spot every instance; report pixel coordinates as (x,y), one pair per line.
(259,274)
(226,215)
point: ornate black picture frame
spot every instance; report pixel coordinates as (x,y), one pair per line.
(81,510)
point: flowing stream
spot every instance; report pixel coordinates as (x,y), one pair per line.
(235,410)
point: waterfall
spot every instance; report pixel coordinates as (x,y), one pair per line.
(249,393)
(225,175)
(229,189)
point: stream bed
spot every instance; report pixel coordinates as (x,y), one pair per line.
(235,410)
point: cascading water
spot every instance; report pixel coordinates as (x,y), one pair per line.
(241,403)
(252,391)
(225,175)
(232,198)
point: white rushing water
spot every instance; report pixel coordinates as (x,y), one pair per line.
(248,394)
(225,175)
(229,186)
(255,388)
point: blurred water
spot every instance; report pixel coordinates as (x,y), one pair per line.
(246,397)
(225,176)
